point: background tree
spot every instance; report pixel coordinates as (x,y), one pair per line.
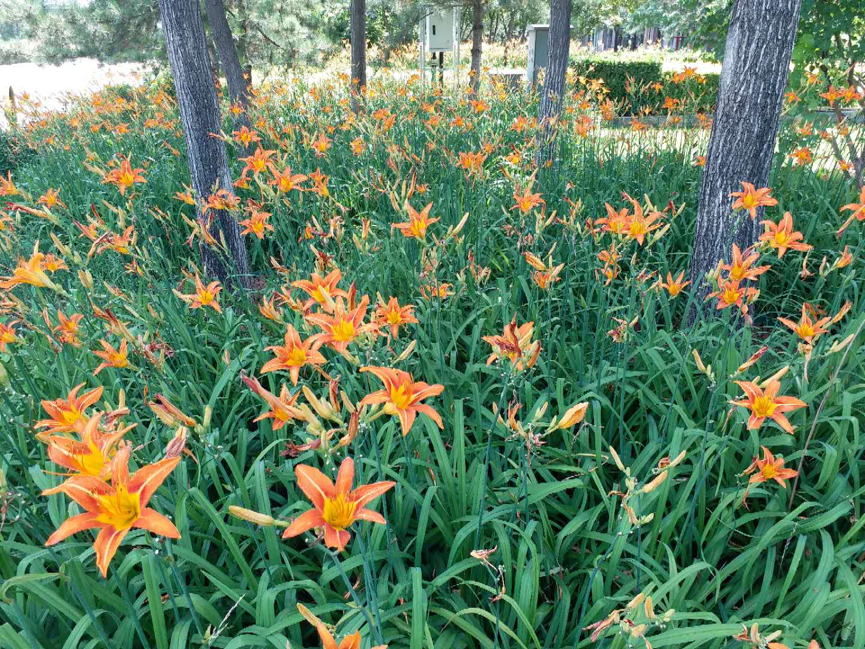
(199,114)
(477,43)
(554,80)
(238,84)
(742,143)
(358,49)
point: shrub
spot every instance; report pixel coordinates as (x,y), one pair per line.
(629,82)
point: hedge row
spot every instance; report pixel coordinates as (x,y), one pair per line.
(697,93)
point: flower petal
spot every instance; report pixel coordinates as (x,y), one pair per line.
(155,522)
(314,484)
(72,525)
(106,545)
(303,523)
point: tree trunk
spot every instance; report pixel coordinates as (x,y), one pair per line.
(742,143)
(477,43)
(358,51)
(238,86)
(199,114)
(554,81)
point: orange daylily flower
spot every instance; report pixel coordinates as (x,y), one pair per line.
(807,329)
(750,199)
(7,187)
(51,198)
(729,294)
(321,290)
(782,237)
(515,344)
(615,222)
(674,286)
(769,468)
(89,456)
(256,224)
(7,336)
(68,415)
(29,272)
(417,224)
(284,180)
(112,357)
(203,296)
(245,136)
(117,508)
(740,267)
(282,407)
(439,291)
(473,163)
(766,403)
(857,209)
(394,316)
(295,354)
(802,156)
(402,396)
(526,201)
(320,145)
(351,641)
(124,176)
(335,507)
(344,325)
(258,161)
(638,225)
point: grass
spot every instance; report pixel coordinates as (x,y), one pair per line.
(496,535)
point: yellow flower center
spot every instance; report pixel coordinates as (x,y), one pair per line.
(258,165)
(92,463)
(781,238)
(338,512)
(401,396)
(748,201)
(71,416)
(394,317)
(118,360)
(418,228)
(344,331)
(127,179)
(120,509)
(636,228)
(205,297)
(674,289)
(805,331)
(731,296)
(763,407)
(737,273)
(768,471)
(297,356)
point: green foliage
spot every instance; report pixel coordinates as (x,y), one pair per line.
(548,504)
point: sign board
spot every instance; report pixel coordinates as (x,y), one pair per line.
(440,31)
(539,51)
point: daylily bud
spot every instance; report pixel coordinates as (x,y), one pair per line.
(322,408)
(407,351)
(86,279)
(574,415)
(254,517)
(617,459)
(654,484)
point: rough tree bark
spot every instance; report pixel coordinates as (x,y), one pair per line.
(554,80)
(238,86)
(742,143)
(199,113)
(358,50)
(477,43)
